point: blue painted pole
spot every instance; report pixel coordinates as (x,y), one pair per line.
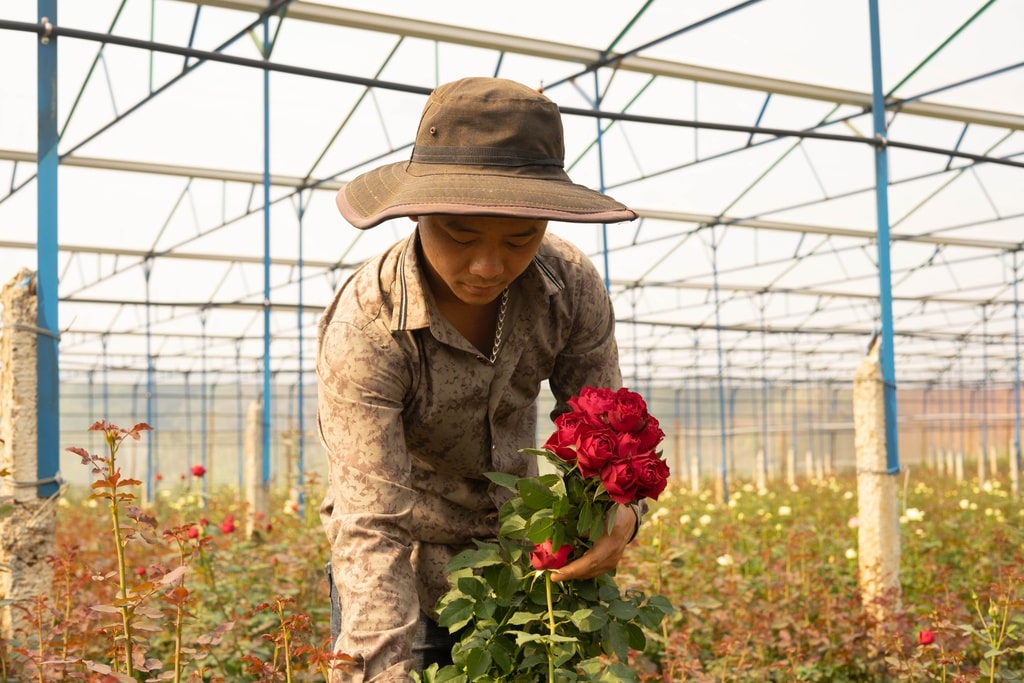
(266,255)
(600,171)
(150,465)
(47,341)
(886,353)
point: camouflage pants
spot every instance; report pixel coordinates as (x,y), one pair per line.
(431,644)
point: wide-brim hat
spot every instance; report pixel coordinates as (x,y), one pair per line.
(484,147)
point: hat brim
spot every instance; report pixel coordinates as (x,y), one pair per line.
(396,190)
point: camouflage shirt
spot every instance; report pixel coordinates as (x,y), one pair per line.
(412,415)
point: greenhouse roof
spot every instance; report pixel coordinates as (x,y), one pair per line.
(741,132)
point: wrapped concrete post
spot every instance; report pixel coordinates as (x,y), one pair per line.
(256,493)
(877,496)
(28,523)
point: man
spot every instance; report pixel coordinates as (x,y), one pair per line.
(432,355)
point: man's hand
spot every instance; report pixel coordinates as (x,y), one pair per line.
(606,553)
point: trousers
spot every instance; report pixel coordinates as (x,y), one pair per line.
(432,644)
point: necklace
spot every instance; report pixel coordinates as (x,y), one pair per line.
(500,326)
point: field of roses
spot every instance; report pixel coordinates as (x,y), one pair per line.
(765,587)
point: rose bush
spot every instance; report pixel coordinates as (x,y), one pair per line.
(515,624)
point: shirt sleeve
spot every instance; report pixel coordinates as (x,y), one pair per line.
(591,355)
(367,510)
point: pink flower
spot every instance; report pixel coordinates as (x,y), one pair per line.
(198,470)
(228,525)
(543,557)
(158,476)
(925,637)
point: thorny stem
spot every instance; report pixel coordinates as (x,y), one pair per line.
(179,617)
(112,444)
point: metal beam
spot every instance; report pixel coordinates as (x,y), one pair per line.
(458,35)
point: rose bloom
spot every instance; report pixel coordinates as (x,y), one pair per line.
(544,557)
(594,404)
(228,525)
(594,450)
(620,481)
(193,532)
(198,470)
(925,637)
(628,413)
(650,435)
(651,475)
(568,428)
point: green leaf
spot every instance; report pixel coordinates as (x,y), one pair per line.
(590,619)
(524,617)
(617,672)
(507,584)
(477,664)
(541,525)
(503,479)
(474,558)
(623,610)
(474,587)
(535,494)
(637,639)
(502,652)
(456,614)
(616,640)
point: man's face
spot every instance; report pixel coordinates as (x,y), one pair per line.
(473,258)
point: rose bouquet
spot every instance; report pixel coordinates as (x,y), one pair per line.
(515,623)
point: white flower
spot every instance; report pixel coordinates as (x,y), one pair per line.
(914,515)
(684,520)
(704,520)
(848,495)
(853,522)
(724,560)
(785,511)
(659,513)
(965,504)
(851,554)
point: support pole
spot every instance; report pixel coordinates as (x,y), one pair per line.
(256,488)
(27,520)
(877,495)
(888,356)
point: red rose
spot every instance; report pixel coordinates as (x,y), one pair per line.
(628,413)
(651,475)
(594,404)
(650,435)
(620,481)
(926,637)
(193,532)
(594,450)
(228,525)
(198,470)
(543,557)
(569,427)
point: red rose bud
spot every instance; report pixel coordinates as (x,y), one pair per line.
(198,470)
(193,532)
(543,557)
(926,637)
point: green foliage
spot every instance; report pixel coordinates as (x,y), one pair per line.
(515,624)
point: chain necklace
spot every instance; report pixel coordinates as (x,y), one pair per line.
(500,326)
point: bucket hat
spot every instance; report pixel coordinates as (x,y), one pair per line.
(484,147)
